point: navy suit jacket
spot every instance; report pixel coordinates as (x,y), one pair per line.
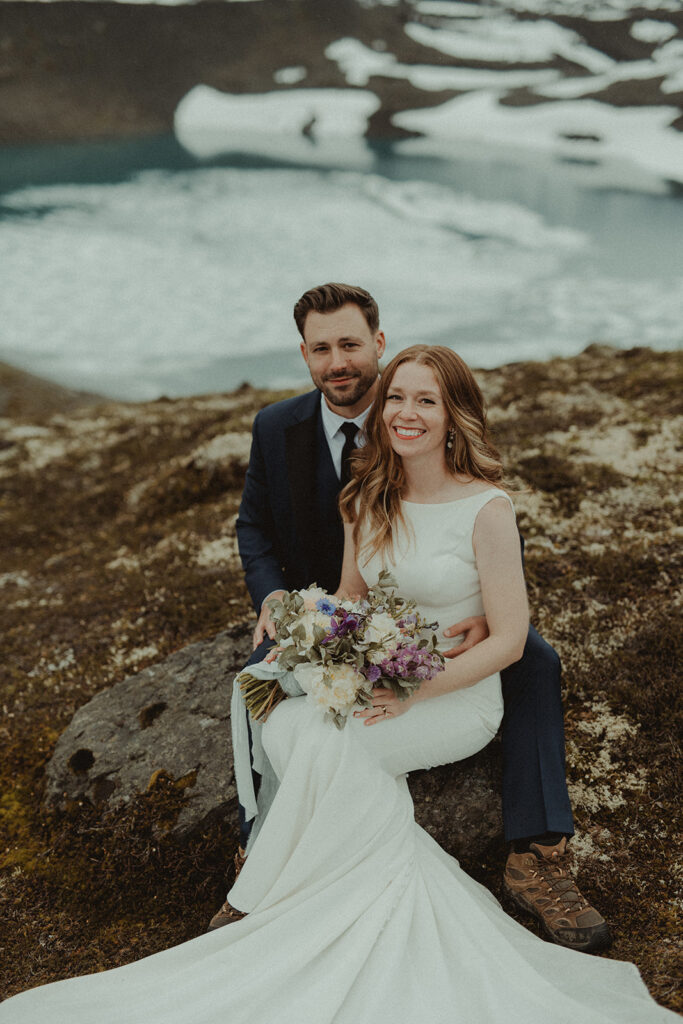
(289,530)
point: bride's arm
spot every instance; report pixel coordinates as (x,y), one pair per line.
(352,584)
(499,564)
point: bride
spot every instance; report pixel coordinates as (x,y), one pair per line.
(354,914)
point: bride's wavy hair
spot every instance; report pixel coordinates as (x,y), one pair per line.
(373,496)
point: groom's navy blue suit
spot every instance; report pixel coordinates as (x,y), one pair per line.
(290,535)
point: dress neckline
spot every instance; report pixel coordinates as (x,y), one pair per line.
(454,501)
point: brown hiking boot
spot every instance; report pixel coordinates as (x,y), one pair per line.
(228,914)
(538,883)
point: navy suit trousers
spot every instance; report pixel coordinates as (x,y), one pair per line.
(535,798)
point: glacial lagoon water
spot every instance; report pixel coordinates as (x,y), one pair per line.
(135,270)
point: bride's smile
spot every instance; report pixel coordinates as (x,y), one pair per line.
(414,412)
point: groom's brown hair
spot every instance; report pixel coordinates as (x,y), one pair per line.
(328,298)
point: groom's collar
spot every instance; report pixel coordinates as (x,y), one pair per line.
(332,422)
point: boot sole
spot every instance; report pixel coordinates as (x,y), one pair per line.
(221,924)
(600,937)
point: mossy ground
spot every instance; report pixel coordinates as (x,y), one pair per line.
(118,548)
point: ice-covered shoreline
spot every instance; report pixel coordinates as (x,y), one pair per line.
(511,222)
(635,147)
(597,93)
(522,77)
(124,69)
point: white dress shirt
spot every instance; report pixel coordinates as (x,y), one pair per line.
(332,424)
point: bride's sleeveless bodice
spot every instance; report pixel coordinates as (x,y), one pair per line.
(433,559)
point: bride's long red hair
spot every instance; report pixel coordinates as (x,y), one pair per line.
(373,496)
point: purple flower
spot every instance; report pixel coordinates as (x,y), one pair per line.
(410,662)
(407,620)
(372,673)
(341,624)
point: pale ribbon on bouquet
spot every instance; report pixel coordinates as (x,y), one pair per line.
(244,762)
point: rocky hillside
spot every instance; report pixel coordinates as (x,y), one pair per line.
(118,548)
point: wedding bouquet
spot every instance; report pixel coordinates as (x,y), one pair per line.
(337,650)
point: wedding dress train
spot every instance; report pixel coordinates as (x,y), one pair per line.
(356,916)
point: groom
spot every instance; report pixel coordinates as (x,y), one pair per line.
(290,535)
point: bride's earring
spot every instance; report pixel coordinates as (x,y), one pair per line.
(449,438)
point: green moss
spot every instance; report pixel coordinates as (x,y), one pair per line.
(86,890)
(566,479)
(649,682)
(621,573)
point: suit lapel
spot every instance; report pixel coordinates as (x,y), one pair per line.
(316,539)
(327,480)
(301,455)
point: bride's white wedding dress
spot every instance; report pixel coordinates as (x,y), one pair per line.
(356,916)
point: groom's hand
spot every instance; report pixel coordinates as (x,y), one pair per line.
(265,625)
(475,629)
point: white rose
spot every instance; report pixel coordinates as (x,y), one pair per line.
(309,620)
(309,677)
(312,596)
(345,683)
(381,628)
(332,688)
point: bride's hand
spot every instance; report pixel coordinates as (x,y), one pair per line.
(385,705)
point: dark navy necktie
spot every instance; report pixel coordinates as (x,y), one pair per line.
(349,430)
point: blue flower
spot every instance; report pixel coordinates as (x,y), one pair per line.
(326,606)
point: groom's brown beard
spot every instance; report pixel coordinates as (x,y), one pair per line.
(362,385)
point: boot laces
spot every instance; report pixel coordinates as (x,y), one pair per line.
(554,874)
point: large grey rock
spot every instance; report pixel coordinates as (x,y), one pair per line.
(174,717)
(460,804)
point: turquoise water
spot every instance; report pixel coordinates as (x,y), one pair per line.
(135,270)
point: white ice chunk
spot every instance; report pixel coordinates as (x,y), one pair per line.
(505,39)
(475,218)
(641,135)
(573,88)
(674,83)
(650,31)
(449,9)
(209,122)
(359,63)
(671,54)
(334,111)
(290,75)
(609,10)
(667,60)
